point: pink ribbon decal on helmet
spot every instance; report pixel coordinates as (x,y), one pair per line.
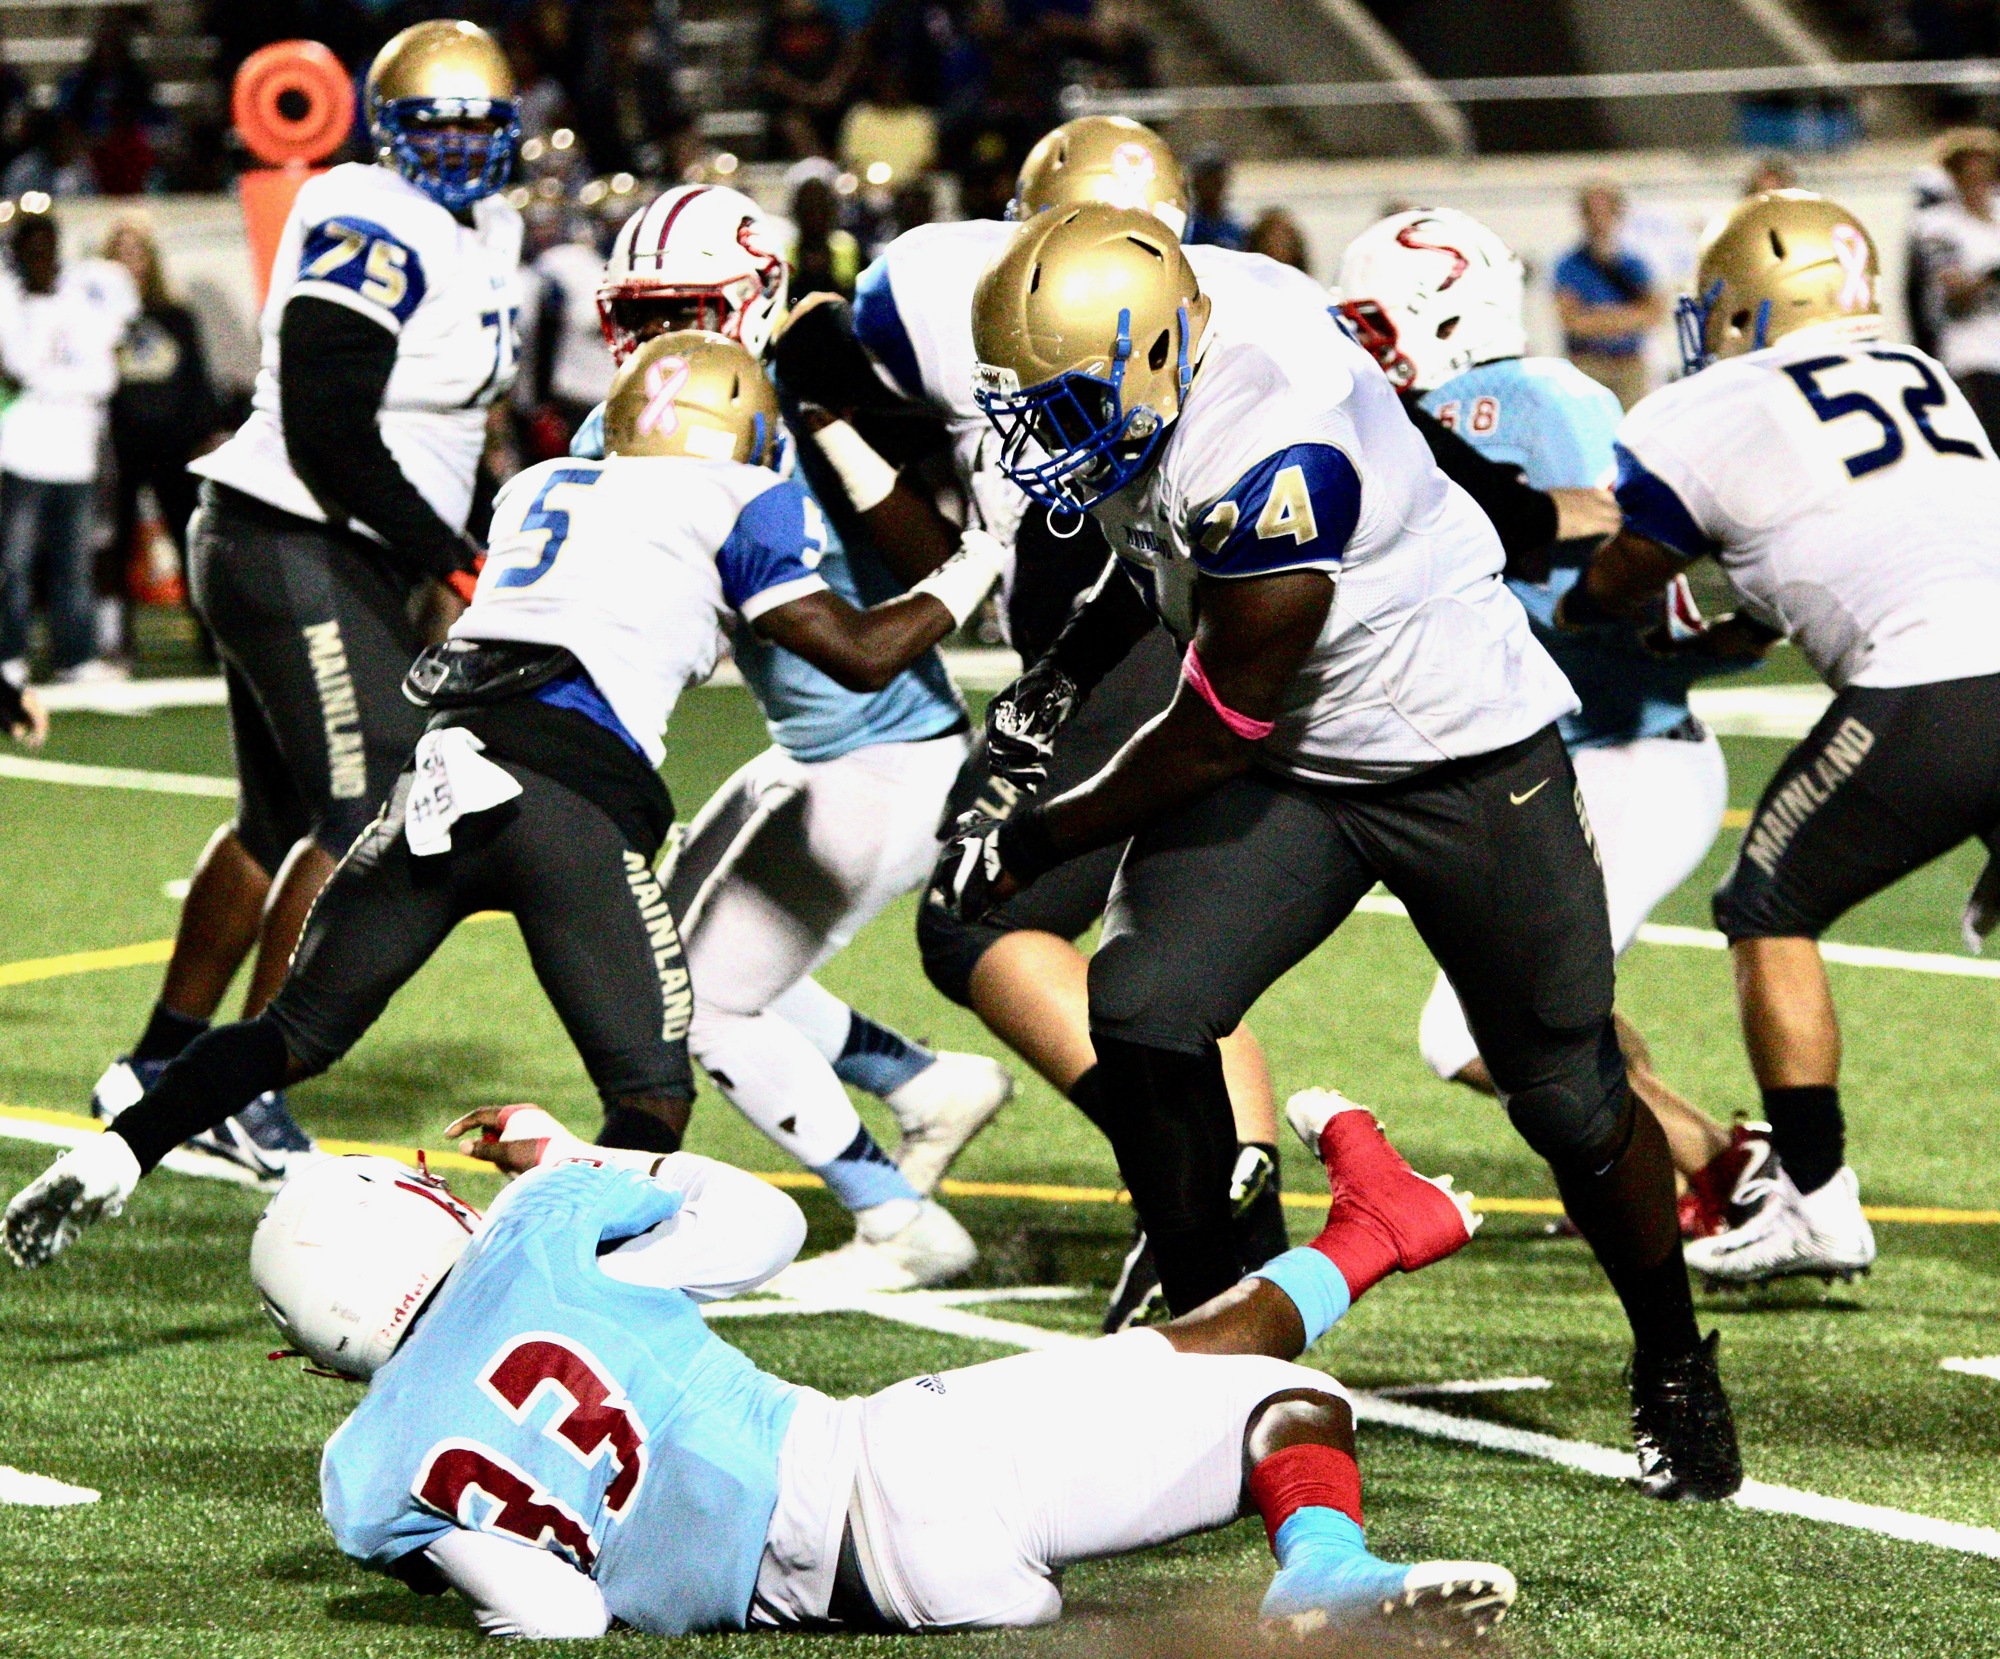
(664,381)
(1850,248)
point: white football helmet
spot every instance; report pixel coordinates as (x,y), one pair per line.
(1432,293)
(700,256)
(348,1253)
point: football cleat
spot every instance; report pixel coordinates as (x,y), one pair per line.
(125,1083)
(1420,1215)
(1726,1191)
(87,1184)
(1337,1588)
(1136,1299)
(263,1138)
(928,1249)
(941,1109)
(1820,1234)
(1683,1428)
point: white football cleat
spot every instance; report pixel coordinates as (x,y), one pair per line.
(88,1183)
(1311,1110)
(928,1249)
(1820,1234)
(123,1086)
(941,1109)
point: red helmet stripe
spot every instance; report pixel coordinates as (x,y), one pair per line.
(673,213)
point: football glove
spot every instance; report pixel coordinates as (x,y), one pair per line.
(1022,722)
(966,878)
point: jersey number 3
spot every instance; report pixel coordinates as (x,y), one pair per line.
(551,522)
(1918,400)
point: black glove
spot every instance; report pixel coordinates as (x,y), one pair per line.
(967,873)
(1022,722)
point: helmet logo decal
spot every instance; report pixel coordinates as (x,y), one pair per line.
(1133,175)
(1850,248)
(665,381)
(1459,263)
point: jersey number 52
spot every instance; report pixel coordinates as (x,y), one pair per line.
(1919,399)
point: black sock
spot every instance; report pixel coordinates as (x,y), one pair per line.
(220,1073)
(1626,1210)
(166,1034)
(1259,1223)
(634,1130)
(1807,1133)
(1167,1114)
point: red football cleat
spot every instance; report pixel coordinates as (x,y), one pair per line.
(1723,1192)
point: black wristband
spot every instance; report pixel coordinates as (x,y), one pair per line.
(1026,848)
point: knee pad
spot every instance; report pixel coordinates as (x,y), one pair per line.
(1583,1122)
(951,948)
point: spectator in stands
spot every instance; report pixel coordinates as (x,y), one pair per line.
(1607,298)
(110,97)
(1209,218)
(885,127)
(805,67)
(164,412)
(1276,235)
(824,257)
(59,334)
(1773,170)
(628,110)
(1121,46)
(1960,242)
(54,161)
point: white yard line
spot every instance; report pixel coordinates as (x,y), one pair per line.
(1471,1385)
(29,770)
(17,1486)
(180,1162)
(930,1312)
(1988,1367)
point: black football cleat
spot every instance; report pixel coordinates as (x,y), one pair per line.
(1136,1299)
(1682,1424)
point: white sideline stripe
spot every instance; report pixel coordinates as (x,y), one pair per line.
(29,770)
(1472,1385)
(1700,938)
(1989,1367)
(764,1307)
(179,1161)
(916,1309)
(134,696)
(1788,711)
(18,1486)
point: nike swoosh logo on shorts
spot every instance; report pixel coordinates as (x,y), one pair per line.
(1521,800)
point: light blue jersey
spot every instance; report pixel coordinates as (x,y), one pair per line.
(811,716)
(1547,417)
(543,1401)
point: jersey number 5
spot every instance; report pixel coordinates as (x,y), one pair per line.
(551,522)
(1918,400)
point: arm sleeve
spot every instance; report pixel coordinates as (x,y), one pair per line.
(770,556)
(1108,621)
(1294,510)
(1524,516)
(517,1590)
(732,1232)
(334,364)
(1652,509)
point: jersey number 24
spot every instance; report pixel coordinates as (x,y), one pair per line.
(1919,399)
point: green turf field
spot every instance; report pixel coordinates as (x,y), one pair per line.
(136,1365)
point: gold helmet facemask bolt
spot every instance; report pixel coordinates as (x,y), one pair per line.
(694,394)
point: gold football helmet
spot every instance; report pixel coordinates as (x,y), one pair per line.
(1085,331)
(440,100)
(692,394)
(1777,262)
(1102,158)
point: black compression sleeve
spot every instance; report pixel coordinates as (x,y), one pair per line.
(333,367)
(217,1075)
(1103,629)
(1524,516)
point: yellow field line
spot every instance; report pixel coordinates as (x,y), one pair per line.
(1737,817)
(1032,1192)
(85,962)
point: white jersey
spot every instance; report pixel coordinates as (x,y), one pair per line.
(638,565)
(1953,239)
(1849,492)
(366,238)
(580,364)
(1293,452)
(913,311)
(61,349)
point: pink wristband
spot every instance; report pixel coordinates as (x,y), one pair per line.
(1252,731)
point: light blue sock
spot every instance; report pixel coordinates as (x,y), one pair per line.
(864,1175)
(1324,1565)
(1315,1286)
(876,1060)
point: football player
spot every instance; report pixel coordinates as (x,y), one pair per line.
(808,842)
(535,788)
(335,515)
(1361,699)
(551,1430)
(1018,968)
(1847,489)
(1437,297)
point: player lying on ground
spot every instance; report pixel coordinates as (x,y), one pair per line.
(604,596)
(807,842)
(1847,489)
(1361,700)
(556,1434)
(1437,298)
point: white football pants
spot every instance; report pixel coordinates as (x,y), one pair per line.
(785,864)
(1655,807)
(970,1490)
